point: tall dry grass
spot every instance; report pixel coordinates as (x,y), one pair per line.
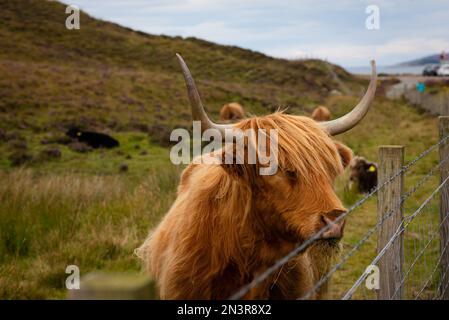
(51,221)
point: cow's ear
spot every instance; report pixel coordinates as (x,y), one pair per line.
(345,153)
(236,165)
(240,171)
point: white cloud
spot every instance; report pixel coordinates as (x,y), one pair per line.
(397,50)
(288,28)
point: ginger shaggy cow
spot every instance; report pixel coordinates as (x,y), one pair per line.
(321,113)
(229,223)
(232,111)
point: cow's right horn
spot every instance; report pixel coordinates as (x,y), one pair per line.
(198,112)
(351,119)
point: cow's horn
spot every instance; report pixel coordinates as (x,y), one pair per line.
(198,112)
(350,120)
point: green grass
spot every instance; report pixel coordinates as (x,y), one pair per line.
(95,222)
(80,210)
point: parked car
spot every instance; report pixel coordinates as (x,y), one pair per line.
(431,70)
(443,70)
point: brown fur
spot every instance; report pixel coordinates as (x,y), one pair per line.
(321,113)
(229,223)
(232,111)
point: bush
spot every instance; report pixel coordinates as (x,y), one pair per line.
(20,157)
(50,153)
(160,134)
(79,147)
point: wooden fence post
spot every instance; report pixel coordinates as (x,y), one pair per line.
(444,209)
(391,159)
(115,286)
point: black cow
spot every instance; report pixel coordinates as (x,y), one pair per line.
(363,173)
(93,139)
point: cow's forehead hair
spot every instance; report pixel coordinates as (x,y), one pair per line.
(303,147)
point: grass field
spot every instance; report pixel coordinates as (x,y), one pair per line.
(79,208)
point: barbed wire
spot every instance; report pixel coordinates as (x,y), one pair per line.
(373,229)
(442,292)
(434,269)
(301,247)
(405,222)
(412,265)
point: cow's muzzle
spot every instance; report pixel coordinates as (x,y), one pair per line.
(334,229)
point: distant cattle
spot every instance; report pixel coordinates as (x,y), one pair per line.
(363,173)
(229,223)
(232,111)
(93,139)
(321,113)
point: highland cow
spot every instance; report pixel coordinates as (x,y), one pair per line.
(232,111)
(321,113)
(363,174)
(93,139)
(229,223)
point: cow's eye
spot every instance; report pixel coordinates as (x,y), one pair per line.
(291,175)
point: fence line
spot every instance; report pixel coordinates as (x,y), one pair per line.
(373,229)
(434,103)
(420,254)
(433,271)
(447,284)
(404,223)
(397,233)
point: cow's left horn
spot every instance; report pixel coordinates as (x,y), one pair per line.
(350,120)
(198,112)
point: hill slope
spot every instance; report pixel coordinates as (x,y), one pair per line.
(432,59)
(105,75)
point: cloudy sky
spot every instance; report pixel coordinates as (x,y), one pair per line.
(333,30)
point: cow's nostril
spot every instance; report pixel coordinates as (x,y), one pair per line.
(334,229)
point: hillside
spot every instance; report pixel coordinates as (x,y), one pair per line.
(133,78)
(431,59)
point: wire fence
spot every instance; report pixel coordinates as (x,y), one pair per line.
(436,103)
(400,253)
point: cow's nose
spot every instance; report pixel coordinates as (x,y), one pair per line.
(334,229)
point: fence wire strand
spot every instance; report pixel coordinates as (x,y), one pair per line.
(437,265)
(406,221)
(417,256)
(371,231)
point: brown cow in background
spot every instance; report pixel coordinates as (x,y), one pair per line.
(321,113)
(363,173)
(232,111)
(229,223)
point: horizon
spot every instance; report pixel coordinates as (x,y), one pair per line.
(335,32)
